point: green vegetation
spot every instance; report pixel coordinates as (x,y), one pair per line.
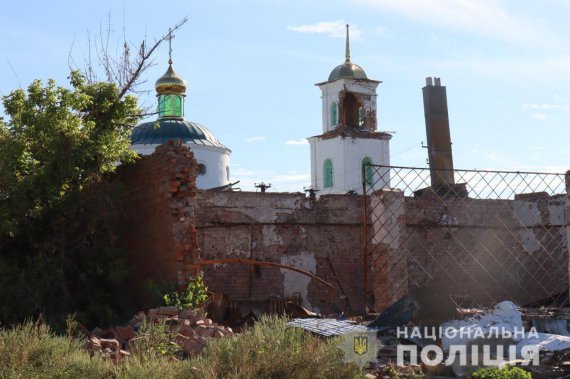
(504,373)
(193,296)
(267,350)
(270,349)
(59,252)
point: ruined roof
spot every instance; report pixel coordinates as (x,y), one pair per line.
(165,129)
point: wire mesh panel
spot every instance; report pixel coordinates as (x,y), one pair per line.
(488,236)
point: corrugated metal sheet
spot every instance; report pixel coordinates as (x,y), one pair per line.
(329,326)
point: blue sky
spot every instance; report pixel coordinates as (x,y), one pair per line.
(251,66)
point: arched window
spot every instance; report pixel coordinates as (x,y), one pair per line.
(228,173)
(327,173)
(361,116)
(202,169)
(368,171)
(334,114)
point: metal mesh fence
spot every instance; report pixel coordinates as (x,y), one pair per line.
(488,237)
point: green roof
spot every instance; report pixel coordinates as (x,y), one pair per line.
(161,131)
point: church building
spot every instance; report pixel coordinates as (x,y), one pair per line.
(212,156)
(350,139)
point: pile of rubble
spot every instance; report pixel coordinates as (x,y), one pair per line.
(424,334)
(190,331)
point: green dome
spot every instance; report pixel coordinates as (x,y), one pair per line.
(170,82)
(347,70)
(163,130)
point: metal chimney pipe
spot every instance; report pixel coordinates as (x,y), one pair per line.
(438,135)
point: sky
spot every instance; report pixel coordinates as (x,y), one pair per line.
(251,66)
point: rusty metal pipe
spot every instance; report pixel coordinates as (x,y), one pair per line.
(269,264)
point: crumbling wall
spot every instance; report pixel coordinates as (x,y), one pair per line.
(323,237)
(485,250)
(158,220)
(389,266)
(351,102)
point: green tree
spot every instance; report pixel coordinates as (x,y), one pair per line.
(58,141)
(59,150)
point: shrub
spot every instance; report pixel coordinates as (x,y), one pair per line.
(504,373)
(193,296)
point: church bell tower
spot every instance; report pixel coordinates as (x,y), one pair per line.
(349,136)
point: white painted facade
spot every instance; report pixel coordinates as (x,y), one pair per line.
(215,159)
(347,152)
(331,93)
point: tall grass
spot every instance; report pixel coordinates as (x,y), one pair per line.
(32,350)
(269,349)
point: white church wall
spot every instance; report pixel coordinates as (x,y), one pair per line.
(347,155)
(322,149)
(216,160)
(358,149)
(216,168)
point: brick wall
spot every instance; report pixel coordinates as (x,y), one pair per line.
(323,237)
(158,226)
(485,250)
(168,225)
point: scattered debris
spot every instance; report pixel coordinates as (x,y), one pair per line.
(429,305)
(329,326)
(191,332)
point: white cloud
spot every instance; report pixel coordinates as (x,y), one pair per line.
(542,106)
(330,28)
(489,18)
(255,139)
(539,116)
(300,142)
(557,105)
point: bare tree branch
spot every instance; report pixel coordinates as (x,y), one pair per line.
(123,68)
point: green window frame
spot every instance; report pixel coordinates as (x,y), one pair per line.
(334,114)
(328,173)
(368,171)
